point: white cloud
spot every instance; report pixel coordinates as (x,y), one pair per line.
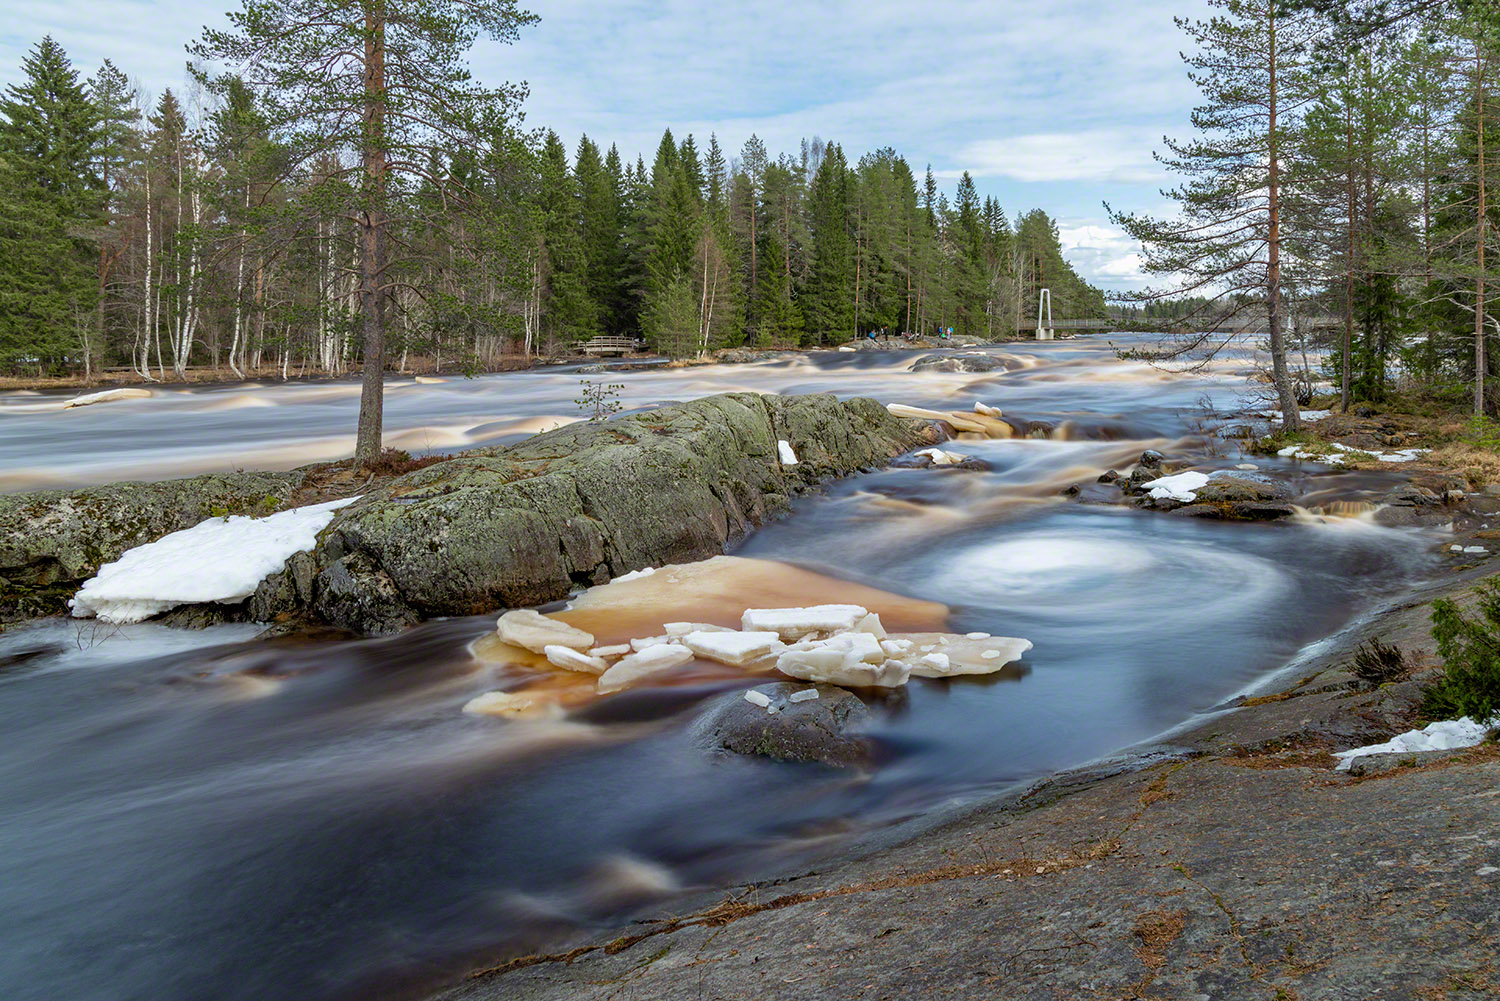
(1115,155)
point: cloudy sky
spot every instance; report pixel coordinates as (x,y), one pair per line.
(1054,104)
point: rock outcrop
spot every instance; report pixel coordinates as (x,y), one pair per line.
(54,540)
(526,524)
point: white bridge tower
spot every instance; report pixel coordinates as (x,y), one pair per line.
(1044,315)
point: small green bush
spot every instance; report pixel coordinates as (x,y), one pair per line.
(1483,431)
(1470,649)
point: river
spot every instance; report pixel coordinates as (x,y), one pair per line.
(199,815)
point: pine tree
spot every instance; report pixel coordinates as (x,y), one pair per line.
(1229,239)
(385,78)
(599,212)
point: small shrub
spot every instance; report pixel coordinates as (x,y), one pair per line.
(1377,663)
(1470,649)
(600,400)
(1483,431)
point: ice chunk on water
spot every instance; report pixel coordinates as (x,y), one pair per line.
(1444,735)
(788,457)
(611,652)
(735,649)
(642,642)
(571,660)
(220,560)
(511,704)
(936,662)
(791,623)
(653,659)
(525,627)
(828,663)
(987,410)
(965,656)
(683,628)
(871,624)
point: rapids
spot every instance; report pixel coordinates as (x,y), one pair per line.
(198,815)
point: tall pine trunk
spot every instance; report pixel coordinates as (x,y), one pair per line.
(372,242)
(1291,416)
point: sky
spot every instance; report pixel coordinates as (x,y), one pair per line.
(1051,104)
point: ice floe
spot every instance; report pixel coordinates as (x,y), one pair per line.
(571,660)
(794,623)
(643,663)
(1444,735)
(221,560)
(734,649)
(534,631)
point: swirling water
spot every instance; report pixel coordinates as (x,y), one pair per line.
(201,815)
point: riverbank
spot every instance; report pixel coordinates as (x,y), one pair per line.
(1226,861)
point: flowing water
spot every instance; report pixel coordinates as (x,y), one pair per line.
(198,815)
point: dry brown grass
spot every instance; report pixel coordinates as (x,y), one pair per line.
(1479,466)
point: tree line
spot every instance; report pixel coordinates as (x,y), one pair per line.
(263,220)
(1343,161)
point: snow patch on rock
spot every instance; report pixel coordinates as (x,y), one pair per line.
(1444,735)
(1177,487)
(221,560)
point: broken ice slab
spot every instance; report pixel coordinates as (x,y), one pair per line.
(962,655)
(757,698)
(834,666)
(653,659)
(524,627)
(735,649)
(793,623)
(675,629)
(571,660)
(511,704)
(806,695)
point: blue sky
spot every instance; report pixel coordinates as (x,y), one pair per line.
(1054,104)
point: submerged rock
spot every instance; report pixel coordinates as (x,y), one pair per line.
(969,362)
(801,729)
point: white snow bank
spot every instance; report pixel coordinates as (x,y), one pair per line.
(788,457)
(107,395)
(218,560)
(1178,486)
(1443,735)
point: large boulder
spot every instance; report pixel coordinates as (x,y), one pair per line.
(54,540)
(818,729)
(527,524)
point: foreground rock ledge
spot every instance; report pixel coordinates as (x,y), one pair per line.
(578,506)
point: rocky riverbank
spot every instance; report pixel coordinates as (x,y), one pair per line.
(1229,861)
